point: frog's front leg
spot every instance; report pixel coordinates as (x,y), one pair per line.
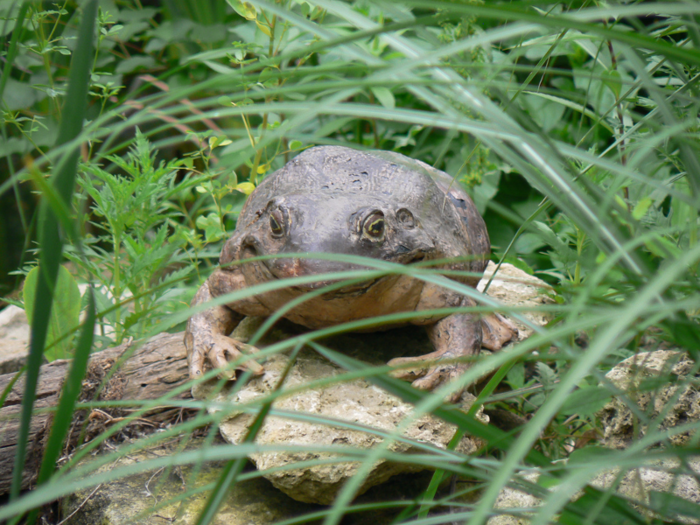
(206,336)
(457,335)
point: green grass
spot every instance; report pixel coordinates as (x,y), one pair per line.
(574,126)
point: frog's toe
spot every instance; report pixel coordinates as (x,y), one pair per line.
(408,373)
(224,350)
(496,331)
(440,375)
(196,359)
(425,374)
(195,356)
(217,358)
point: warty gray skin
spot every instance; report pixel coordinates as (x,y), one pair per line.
(375,204)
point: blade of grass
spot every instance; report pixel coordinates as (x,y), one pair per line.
(69,396)
(429,494)
(605,341)
(50,239)
(17,34)
(63,418)
(235,467)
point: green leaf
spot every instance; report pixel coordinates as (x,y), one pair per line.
(685,332)
(211,226)
(384,96)
(265,29)
(19,95)
(65,311)
(130,65)
(245,9)
(516,375)
(641,208)
(670,505)
(613,80)
(245,187)
(662,247)
(295,144)
(585,401)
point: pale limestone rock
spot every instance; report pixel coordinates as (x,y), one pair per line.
(630,375)
(513,501)
(356,402)
(14,339)
(663,476)
(513,287)
(151,498)
(656,476)
(174,495)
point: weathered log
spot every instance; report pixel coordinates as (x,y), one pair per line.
(154,369)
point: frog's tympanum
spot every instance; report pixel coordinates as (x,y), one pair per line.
(376,204)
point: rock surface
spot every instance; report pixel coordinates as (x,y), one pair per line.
(357,402)
(514,287)
(656,476)
(514,501)
(651,380)
(14,338)
(636,485)
(153,498)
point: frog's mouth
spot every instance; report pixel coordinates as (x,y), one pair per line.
(280,268)
(354,289)
(350,290)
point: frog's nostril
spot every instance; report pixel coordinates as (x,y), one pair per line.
(250,241)
(250,247)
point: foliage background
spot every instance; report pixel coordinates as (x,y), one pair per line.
(574,126)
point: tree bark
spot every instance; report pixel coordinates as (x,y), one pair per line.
(148,372)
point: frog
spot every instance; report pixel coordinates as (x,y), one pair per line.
(350,202)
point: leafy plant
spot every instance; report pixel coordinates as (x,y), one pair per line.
(575,126)
(138,258)
(65,313)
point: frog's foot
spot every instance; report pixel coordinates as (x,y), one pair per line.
(496,331)
(219,351)
(455,336)
(429,373)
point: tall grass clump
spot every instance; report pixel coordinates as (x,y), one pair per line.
(131,136)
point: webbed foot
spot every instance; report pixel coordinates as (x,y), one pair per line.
(455,336)
(218,351)
(206,343)
(429,375)
(496,331)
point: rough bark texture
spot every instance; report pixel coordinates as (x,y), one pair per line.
(148,372)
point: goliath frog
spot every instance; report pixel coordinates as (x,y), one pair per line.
(376,204)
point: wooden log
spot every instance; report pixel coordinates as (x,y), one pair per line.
(154,369)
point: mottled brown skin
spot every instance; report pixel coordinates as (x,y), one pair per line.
(376,204)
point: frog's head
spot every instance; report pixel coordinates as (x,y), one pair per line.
(335,224)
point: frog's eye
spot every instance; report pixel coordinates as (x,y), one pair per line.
(406,218)
(276,223)
(373,226)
